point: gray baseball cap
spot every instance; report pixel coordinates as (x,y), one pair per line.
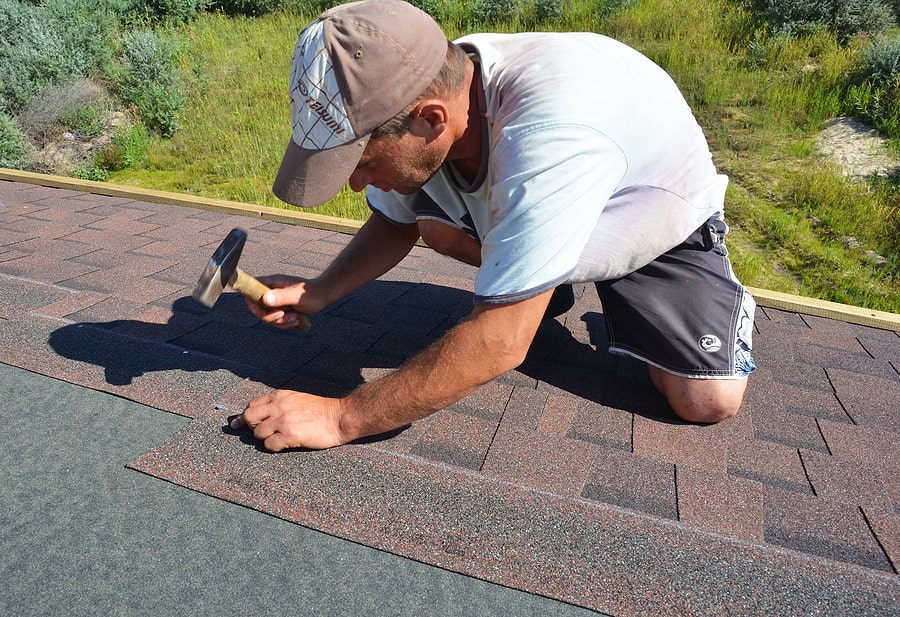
(354,68)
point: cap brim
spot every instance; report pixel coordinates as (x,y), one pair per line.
(309,178)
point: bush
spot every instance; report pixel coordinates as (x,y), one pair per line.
(873,93)
(606,8)
(852,17)
(549,11)
(13,151)
(128,149)
(167,11)
(435,8)
(882,62)
(494,11)
(51,42)
(249,8)
(150,81)
(80,104)
(846,18)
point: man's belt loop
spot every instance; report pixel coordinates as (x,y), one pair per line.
(713,232)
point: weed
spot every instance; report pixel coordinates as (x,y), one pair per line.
(91,172)
(85,120)
(80,104)
(13,151)
(127,151)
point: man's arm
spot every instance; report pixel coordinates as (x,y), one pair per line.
(493,340)
(376,248)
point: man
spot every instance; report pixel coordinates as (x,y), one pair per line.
(544,159)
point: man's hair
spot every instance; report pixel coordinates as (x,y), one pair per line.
(448,81)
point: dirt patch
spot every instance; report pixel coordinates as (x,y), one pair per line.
(61,153)
(857,149)
(67,125)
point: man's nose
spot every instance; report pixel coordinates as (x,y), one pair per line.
(358,181)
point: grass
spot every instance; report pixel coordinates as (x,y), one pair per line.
(759,98)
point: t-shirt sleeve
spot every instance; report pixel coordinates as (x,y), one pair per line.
(390,206)
(550,184)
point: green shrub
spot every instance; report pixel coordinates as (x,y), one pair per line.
(13,152)
(435,8)
(605,8)
(494,11)
(167,11)
(128,149)
(882,61)
(873,91)
(249,8)
(51,42)
(86,120)
(846,18)
(549,11)
(852,17)
(80,105)
(150,81)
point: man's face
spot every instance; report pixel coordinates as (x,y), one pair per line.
(401,164)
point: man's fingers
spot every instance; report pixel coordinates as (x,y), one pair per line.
(254,413)
(286,419)
(276,442)
(266,431)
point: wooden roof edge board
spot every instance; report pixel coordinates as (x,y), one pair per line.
(764,298)
(281,215)
(824,308)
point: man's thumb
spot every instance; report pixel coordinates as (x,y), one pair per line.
(271,299)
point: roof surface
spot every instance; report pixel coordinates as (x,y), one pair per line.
(568,478)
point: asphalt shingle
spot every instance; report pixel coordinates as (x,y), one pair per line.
(568,477)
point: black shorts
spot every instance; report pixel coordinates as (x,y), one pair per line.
(685,312)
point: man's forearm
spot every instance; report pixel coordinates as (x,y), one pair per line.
(376,248)
(490,343)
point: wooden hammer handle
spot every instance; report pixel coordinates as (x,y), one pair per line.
(251,288)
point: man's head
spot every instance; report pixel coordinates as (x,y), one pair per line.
(356,67)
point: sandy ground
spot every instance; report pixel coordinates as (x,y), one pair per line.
(857,148)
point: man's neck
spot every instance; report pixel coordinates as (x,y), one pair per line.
(466,153)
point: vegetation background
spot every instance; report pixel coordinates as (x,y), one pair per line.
(191,96)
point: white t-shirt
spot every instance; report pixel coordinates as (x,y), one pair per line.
(594,166)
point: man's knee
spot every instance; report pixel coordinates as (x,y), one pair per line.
(450,241)
(704,401)
(705,411)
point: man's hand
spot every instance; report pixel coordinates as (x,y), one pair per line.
(287,419)
(290,295)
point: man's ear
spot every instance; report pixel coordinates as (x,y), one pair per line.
(429,119)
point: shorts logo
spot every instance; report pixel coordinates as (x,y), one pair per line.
(710,343)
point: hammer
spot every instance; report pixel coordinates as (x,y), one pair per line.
(222,272)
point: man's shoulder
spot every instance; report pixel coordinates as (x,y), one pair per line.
(548,44)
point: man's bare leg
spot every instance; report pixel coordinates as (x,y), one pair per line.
(700,400)
(451,241)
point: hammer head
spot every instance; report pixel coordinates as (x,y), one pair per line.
(220,270)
